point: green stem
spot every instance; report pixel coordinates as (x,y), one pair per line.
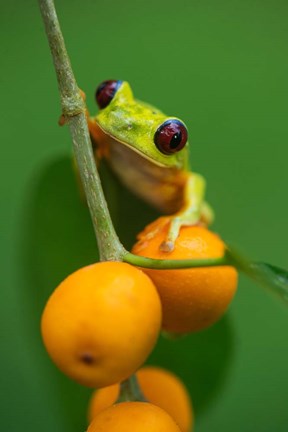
(73,109)
(174,264)
(130,391)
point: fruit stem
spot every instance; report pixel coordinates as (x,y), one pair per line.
(73,111)
(152,263)
(130,391)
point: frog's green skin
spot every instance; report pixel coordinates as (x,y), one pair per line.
(123,133)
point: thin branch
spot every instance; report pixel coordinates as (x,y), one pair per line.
(73,109)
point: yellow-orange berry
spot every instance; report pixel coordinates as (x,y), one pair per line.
(133,417)
(101,323)
(195,298)
(160,387)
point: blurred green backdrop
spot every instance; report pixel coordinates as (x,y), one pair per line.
(222,67)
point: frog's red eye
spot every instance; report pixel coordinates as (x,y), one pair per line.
(106,91)
(171,137)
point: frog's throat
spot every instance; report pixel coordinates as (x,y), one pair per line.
(135,150)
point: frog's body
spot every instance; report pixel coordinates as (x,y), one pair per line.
(124,133)
(160,185)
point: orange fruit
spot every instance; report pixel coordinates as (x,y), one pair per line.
(133,417)
(160,387)
(101,323)
(195,298)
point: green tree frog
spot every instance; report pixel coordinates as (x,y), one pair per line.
(148,151)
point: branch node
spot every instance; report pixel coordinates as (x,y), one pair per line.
(72,106)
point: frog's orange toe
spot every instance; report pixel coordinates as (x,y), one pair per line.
(62,120)
(82,94)
(167,246)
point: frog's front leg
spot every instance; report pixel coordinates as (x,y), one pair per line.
(194,211)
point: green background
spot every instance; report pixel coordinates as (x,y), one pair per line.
(222,67)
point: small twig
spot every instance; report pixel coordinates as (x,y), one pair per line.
(130,390)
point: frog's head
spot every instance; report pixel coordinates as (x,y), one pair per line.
(141,127)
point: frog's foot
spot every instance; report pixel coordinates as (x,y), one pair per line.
(204,216)
(176,223)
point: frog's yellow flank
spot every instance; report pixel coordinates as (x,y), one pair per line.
(148,151)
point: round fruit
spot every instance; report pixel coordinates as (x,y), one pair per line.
(101,323)
(133,417)
(195,298)
(160,387)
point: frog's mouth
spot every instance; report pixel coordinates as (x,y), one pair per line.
(113,140)
(140,153)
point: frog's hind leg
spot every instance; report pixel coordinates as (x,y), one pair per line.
(194,211)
